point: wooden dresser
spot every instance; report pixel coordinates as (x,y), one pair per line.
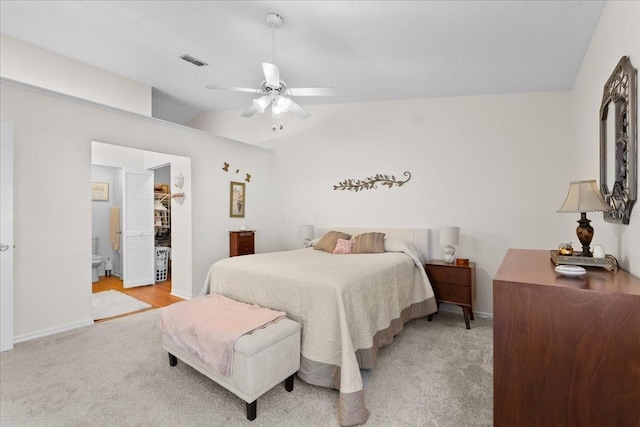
(241,242)
(566,350)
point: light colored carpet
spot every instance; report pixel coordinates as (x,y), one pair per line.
(113,303)
(116,373)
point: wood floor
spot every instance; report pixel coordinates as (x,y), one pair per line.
(158,295)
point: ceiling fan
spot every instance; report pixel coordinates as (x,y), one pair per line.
(274,91)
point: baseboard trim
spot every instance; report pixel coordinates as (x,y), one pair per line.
(181,294)
(68,327)
(452,308)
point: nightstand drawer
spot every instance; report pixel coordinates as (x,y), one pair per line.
(452,293)
(453,275)
(241,242)
(245,244)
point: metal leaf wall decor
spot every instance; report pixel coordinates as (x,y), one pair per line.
(372,182)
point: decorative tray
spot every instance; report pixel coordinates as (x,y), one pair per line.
(609,262)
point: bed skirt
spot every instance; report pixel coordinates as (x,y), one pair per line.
(351,408)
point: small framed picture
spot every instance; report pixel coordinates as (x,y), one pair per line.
(100,191)
(237,200)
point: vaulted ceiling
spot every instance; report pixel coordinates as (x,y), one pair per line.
(367,50)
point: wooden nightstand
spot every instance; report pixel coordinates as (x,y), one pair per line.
(241,242)
(453,284)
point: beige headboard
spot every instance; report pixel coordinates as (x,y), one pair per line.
(418,237)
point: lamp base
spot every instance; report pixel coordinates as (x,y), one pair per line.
(449,254)
(585,235)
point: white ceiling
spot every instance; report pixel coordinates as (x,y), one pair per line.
(367,50)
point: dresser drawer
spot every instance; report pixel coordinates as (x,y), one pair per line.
(452,293)
(453,275)
(245,244)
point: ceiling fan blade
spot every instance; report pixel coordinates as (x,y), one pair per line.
(271,74)
(249,112)
(299,111)
(312,91)
(235,89)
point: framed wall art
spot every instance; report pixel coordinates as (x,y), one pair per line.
(237,200)
(100,191)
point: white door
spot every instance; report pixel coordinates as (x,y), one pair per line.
(138,251)
(6,236)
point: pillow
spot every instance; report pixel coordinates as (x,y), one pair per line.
(328,242)
(369,243)
(394,244)
(343,246)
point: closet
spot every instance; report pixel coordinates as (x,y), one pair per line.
(162,225)
(162,218)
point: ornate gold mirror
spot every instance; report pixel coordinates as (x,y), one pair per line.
(619,142)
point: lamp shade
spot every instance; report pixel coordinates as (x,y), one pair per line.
(449,236)
(283,104)
(584,196)
(261,103)
(306,231)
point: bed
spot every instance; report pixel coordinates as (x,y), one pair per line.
(348,305)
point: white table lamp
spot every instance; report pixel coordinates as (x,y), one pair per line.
(307,233)
(449,237)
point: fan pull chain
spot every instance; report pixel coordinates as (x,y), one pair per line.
(276,126)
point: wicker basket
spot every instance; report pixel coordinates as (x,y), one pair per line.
(609,262)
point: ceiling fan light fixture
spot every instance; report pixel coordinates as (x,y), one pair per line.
(276,112)
(283,104)
(261,103)
(272,89)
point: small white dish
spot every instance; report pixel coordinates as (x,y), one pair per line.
(570,270)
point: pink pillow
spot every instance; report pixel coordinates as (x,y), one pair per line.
(343,246)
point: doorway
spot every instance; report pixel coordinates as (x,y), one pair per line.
(6,236)
(175,285)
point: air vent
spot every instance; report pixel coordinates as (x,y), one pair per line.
(193,60)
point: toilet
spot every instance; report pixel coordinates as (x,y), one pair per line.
(96,260)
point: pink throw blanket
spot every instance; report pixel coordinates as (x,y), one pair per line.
(209,326)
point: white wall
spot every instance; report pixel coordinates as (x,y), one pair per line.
(617,35)
(172,111)
(100,216)
(494,165)
(53,136)
(32,65)
(162,175)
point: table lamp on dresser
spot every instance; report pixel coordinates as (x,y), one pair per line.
(583,197)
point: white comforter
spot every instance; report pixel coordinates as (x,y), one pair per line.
(340,300)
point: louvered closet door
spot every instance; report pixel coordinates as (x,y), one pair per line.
(138,257)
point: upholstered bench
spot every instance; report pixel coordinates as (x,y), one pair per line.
(261,359)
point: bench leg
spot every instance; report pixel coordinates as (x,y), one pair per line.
(288,383)
(252,408)
(173,361)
